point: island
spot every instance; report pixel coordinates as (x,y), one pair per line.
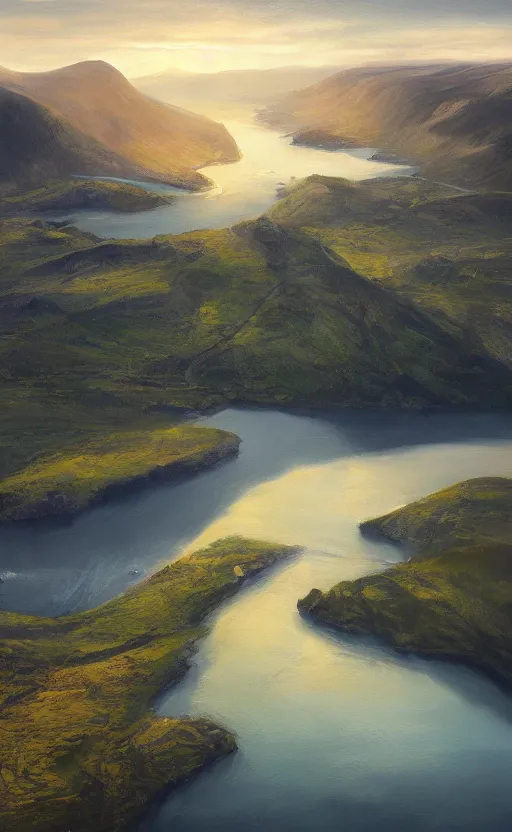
(323,140)
(80,747)
(82,194)
(452,599)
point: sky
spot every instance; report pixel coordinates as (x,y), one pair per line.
(142,37)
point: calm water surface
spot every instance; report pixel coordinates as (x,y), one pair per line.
(243,190)
(335,733)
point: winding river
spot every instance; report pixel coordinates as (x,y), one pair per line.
(335,733)
(242,190)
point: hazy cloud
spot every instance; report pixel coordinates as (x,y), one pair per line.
(142,36)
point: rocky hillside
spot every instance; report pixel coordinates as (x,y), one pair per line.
(150,139)
(455,121)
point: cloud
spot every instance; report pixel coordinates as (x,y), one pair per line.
(149,36)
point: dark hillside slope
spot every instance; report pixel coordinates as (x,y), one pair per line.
(36,146)
(456,121)
(158,141)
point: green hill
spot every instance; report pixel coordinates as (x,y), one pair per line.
(453,598)
(104,339)
(449,253)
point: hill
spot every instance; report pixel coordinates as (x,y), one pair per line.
(245,88)
(453,598)
(105,338)
(447,252)
(72,194)
(154,141)
(36,146)
(455,121)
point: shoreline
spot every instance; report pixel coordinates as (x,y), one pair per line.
(49,499)
(129,650)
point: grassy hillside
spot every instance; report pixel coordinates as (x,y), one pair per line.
(76,195)
(450,253)
(80,748)
(64,483)
(255,314)
(102,340)
(155,140)
(455,121)
(453,599)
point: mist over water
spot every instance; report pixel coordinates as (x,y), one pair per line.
(244,189)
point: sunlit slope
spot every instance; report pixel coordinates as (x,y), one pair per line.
(448,252)
(455,121)
(156,140)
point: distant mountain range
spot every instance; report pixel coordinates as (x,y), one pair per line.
(456,120)
(249,88)
(87,118)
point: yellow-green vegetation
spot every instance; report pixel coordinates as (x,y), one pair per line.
(448,252)
(100,336)
(80,748)
(78,194)
(65,483)
(453,598)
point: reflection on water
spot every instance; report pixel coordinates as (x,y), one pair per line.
(244,189)
(79,565)
(336,733)
(339,733)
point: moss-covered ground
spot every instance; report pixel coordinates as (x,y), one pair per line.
(448,252)
(101,337)
(79,746)
(453,598)
(65,483)
(78,194)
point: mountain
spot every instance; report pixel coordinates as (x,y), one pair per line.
(36,146)
(154,141)
(245,88)
(456,121)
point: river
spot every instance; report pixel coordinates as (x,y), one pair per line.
(242,191)
(335,732)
